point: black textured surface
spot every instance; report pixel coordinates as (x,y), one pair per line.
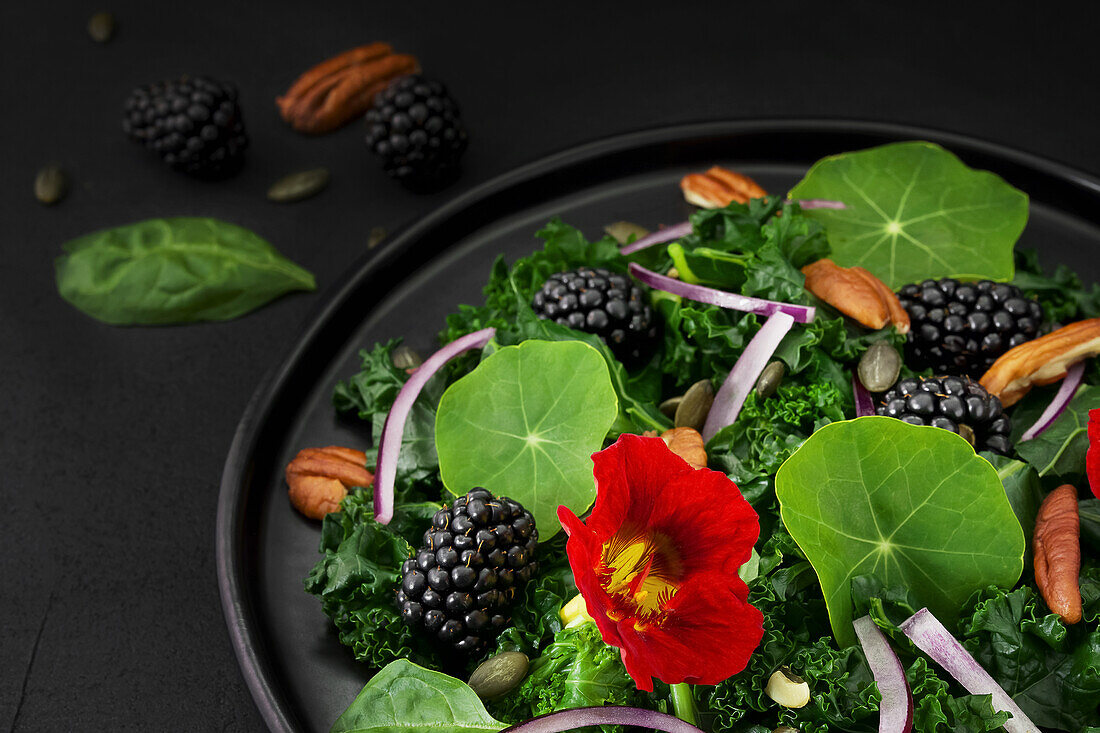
(113,439)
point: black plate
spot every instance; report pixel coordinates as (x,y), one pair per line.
(300,676)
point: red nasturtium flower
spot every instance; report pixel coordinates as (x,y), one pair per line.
(1092,455)
(657,564)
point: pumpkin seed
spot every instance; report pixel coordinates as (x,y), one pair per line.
(692,412)
(621,231)
(377,234)
(406,358)
(101,27)
(879,367)
(51,184)
(967,433)
(668,407)
(771,378)
(499,674)
(298,186)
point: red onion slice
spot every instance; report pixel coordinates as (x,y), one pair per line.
(937,642)
(895,712)
(720,298)
(389,446)
(676,231)
(731,395)
(820,204)
(575,718)
(1074,375)
(864,404)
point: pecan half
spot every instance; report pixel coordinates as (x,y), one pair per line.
(688,444)
(342,88)
(319,478)
(1057,546)
(856,293)
(719,187)
(1041,361)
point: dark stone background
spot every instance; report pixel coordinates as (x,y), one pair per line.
(112,439)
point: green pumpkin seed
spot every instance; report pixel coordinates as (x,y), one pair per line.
(377,234)
(298,186)
(693,410)
(499,674)
(622,231)
(879,367)
(771,378)
(51,184)
(967,433)
(101,27)
(668,407)
(406,358)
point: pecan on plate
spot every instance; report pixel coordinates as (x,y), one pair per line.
(688,444)
(342,88)
(1041,361)
(1057,547)
(856,293)
(719,187)
(319,478)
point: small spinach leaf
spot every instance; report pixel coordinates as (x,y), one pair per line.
(1060,449)
(911,505)
(915,211)
(524,424)
(410,699)
(176,270)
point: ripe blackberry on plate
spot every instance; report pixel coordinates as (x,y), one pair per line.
(416,128)
(605,303)
(958,404)
(193,123)
(961,328)
(464,576)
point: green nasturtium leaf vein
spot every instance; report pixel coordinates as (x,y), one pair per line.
(525,423)
(915,211)
(912,506)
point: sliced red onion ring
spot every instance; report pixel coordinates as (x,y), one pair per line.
(575,718)
(864,404)
(895,712)
(1074,375)
(389,445)
(820,204)
(676,231)
(720,298)
(731,395)
(937,642)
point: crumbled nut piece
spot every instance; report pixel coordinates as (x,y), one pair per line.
(319,478)
(1041,361)
(856,293)
(719,187)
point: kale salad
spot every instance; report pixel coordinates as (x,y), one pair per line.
(821,460)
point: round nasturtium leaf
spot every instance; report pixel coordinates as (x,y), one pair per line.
(912,505)
(525,423)
(915,211)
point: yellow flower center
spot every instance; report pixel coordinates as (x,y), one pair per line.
(641,572)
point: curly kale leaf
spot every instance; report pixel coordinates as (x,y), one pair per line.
(1063,297)
(535,611)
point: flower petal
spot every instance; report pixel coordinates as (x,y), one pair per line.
(1092,455)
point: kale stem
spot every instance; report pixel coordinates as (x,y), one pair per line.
(683,702)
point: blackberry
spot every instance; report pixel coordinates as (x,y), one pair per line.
(958,404)
(961,328)
(604,303)
(416,127)
(463,577)
(193,123)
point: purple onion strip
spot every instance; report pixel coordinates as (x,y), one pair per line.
(731,395)
(1074,375)
(864,404)
(895,712)
(575,718)
(389,445)
(937,642)
(676,231)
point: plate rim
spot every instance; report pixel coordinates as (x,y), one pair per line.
(233,494)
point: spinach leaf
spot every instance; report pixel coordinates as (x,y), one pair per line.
(915,211)
(1089,512)
(1060,449)
(177,270)
(524,425)
(1024,491)
(406,698)
(910,504)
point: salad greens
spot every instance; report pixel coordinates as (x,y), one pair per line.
(911,504)
(523,425)
(915,211)
(868,516)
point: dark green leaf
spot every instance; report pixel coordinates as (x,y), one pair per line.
(178,270)
(1060,449)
